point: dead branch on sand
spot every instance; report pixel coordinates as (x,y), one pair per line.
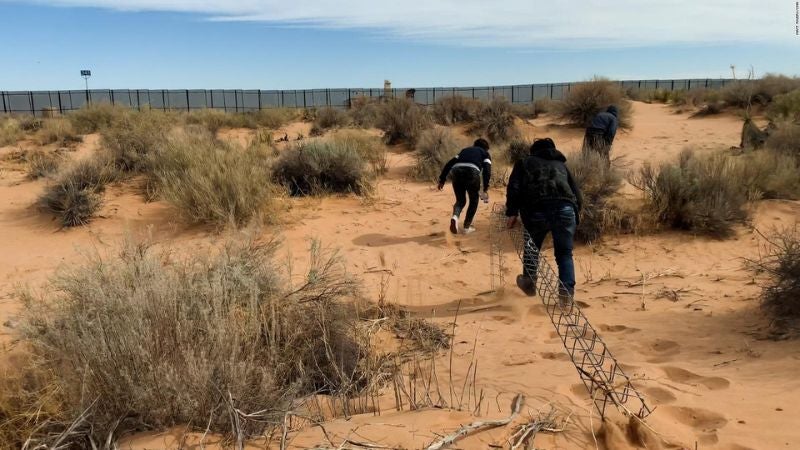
(480,425)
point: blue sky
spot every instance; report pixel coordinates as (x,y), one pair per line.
(270,44)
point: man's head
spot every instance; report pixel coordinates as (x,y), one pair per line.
(482,143)
(613,110)
(541,145)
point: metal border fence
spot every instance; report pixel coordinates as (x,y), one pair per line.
(243,100)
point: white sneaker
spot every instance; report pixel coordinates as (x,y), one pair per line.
(454,224)
(469,230)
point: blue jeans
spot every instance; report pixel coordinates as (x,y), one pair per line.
(558,219)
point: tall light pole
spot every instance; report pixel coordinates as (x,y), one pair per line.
(86,74)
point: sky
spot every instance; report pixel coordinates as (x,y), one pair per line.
(300,44)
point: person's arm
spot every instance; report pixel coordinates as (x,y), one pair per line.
(487,170)
(611,130)
(513,189)
(446,170)
(575,190)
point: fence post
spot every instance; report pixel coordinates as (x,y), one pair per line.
(187,101)
(259,99)
(349,99)
(304,99)
(60,108)
(5,108)
(88,98)
(30,100)
(236,99)
(672,85)
(706,83)
(283,102)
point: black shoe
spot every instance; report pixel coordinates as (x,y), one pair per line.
(454,225)
(527,285)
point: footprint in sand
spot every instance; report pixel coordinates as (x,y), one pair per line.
(698,418)
(555,356)
(537,310)
(660,396)
(617,328)
(683,376)
(662,350)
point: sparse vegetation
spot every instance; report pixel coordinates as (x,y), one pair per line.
(702,194)
(781,296)
(585,100)
(93,118)
(57,131)
(402,121)
(785,139)
(76,194)
(215,119)
(518,149)
(10,131)
(364,111)
(322,166)
(146,340)
(456,109)
(212,181)
(329,118)
(598,183)
(434,149)
(371,149)
(496,121)
(42,163)
(132,137)
(785,107)
(769,174)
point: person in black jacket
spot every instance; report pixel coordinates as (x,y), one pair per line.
(601,132)
(543,193)
(466,169)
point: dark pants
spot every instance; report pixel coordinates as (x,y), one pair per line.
(558,219)
(595,141)
(466,183)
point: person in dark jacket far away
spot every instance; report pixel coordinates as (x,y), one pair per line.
(543,193)
(601,131)
(466,169)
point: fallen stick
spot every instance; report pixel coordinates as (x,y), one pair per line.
(516,406)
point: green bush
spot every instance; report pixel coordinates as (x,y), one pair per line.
(322,166)
(434,148)
(598,183)
(132,137)
(587,99)
(93,118)
(703,194)
(496,121)
(76,194)
(144,340)
(211,181)
(456,109)
(402,120)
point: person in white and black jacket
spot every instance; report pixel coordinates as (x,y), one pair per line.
(466,169)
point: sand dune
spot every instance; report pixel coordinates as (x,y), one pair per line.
(679,311)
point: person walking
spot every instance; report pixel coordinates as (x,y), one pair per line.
(542,191)
(601,132)
(466,169)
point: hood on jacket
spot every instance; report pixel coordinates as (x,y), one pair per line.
(613,110)
(546,149)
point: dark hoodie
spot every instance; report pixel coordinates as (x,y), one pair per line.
(606,123)
(540,180)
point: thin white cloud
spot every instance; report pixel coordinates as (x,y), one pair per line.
(507,23)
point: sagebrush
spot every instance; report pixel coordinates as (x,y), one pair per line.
(598,182)
(323,166)
(402,120)
(76,194)
(434,149)
(585,100)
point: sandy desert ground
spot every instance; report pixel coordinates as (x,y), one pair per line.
(702,359)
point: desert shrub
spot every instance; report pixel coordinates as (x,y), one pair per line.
(132,137)
(76,194)
(518,149)
(585,100)
(143,340)
(524,110)
(10,131)
(274,118)
(371,148)
(94,117)
(402,120)
(781,295)
(738,93)
(57,131)
(598,183)
(496,121)
(364,111)
(702,194)
(455,109)
(771,85)
(769,174)
(323,166)
(328,118)
(30,123)
(434,148)
(709,109)
(785,107)
(211,181)
(785,139)
(212,119)
(42,163)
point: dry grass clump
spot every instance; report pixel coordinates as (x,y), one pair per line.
(215,119)
(402,120)
(364,111)
(770,174)
(434,148)
(211,181)
(518,149)
(781,296)
(598,183)
(744,93)
(371,148)
(57,131)
(703,194)
(785,107)
(94,117)
(585,100)
(43,163)
(456,109)
(329,118)
(496,121)
(131,138)
(323,166)
(10,131)
(785,139)
(218,340)
(76,194)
